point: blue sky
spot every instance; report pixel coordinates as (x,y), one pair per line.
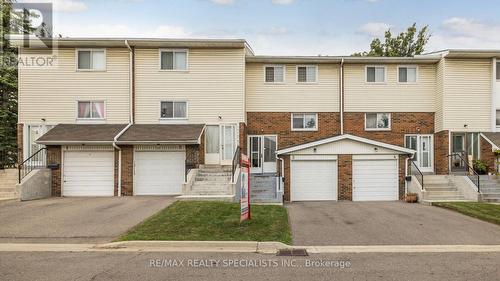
(287,27)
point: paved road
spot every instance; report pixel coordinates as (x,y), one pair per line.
(75,220)
(385,223)
(137,266)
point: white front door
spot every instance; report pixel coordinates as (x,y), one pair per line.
(423,144)
(212,144)
(313,180)
(220,144)
(88,173)
(262,152)
(375,180)
(158,172)
(228,146)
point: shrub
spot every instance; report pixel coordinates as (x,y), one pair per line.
(480,167)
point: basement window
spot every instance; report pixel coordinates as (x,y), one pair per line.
(377,121)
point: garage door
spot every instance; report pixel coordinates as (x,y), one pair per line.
(375,180)
(88,173)
(313,180)
(158,173)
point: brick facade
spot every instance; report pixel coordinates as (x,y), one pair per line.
(344,177)
(20,143)
(279,123)
(127,170)
(54,157)
(487,155)
(286,193)
(441,150)
(243,137)
(402,174)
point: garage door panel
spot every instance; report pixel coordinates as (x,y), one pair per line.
(375,180)
(159,173)
(313,180)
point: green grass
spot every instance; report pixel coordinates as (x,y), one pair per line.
(213,221)
(483,211)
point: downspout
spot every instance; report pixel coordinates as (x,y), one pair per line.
(131,120)
(282,172)
(342,96)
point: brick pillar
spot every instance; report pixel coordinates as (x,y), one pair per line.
(243,137)
(127,170)
(201,149)
(487,155)
(54,157)
(441,149)
(402,175)
(286,160)
(20,143)
(344,177)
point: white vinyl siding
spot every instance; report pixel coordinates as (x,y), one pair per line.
(375,74)
(51,93)
(274,74)
(213,87)
(438,116)
(91,59)
(307,73)
(291,96)
(391,96)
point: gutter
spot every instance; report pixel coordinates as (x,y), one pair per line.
(342,96)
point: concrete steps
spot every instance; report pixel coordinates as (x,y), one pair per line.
(212,182)
(441,188)
(263,189)
(8,182)
(490,188)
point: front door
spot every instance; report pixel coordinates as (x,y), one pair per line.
(262,151)
(220,144)
(423,145)
(212,144)
(228,143)
(458,147)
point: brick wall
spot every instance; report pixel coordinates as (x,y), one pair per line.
(201,149)
(127,170)
(286,159)
(344,177)
(402,175)
(279,123)
(441,150)
(487,155)
(401,123)
(243,137)
(20,144)
(54,157)
(193,154)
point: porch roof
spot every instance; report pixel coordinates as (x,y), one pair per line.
(163,133)
(81,133)
(493,139)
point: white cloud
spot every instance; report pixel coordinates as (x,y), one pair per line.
(222,2)
(169,31)
(120,30)
(68,6)
(374,29)
(282,2)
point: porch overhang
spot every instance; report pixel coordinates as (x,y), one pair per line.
(493,139)
(73,134)
(162,134)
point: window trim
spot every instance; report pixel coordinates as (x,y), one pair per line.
(306,65)
(77,50)
(173,50)
(274,65)
(497,69)
(81,119)
(376,66)
(304,129)
(379,129)
(174,118)
(407,66)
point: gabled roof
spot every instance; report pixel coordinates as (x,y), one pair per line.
(344,137)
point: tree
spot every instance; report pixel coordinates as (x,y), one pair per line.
(405,44)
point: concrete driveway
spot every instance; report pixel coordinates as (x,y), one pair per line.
(75,220)
(385,223)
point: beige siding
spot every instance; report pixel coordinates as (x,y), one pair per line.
(467,94)
(322,96)
(438,117)
(52,93)
(390,96)
(213,85)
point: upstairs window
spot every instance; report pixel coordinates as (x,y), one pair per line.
(377,121)
(173,110)
(498,71)
(173,60)
(407,74)
(498,117)
(275,74)
(91,60)
(304,121)
(375,74)
(307,74)
(91,110)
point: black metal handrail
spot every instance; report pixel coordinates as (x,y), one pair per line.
(236,162)
(188,168)
(415,171)
(471,173)
(36,161)
(8,159)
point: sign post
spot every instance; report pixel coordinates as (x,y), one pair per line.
(245,188)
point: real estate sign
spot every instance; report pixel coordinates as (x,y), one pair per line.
(245,188)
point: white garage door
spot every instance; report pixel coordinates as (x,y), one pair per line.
(375,180)
(158,173)
(88,173)
(313,180)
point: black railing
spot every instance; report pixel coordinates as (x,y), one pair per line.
(415,171)
(188,168)
(8,159)
(36,161)
(236,162)
(458,159)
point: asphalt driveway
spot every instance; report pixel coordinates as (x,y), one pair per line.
(75,220)
(385,223)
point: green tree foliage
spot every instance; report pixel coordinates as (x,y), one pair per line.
(405,44)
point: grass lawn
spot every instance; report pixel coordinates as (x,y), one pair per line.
(483,211)
(213,221)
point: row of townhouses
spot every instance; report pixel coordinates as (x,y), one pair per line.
(169,117)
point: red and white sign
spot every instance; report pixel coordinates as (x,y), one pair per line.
(245,188)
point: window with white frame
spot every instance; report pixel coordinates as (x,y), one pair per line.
(274,74)
(375,74)
(173,110)
(307,73)
(377,121)
(498,71)
(304,121)
(173,59)
(91,59)
(498,117)
(91,110)
(407,74)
